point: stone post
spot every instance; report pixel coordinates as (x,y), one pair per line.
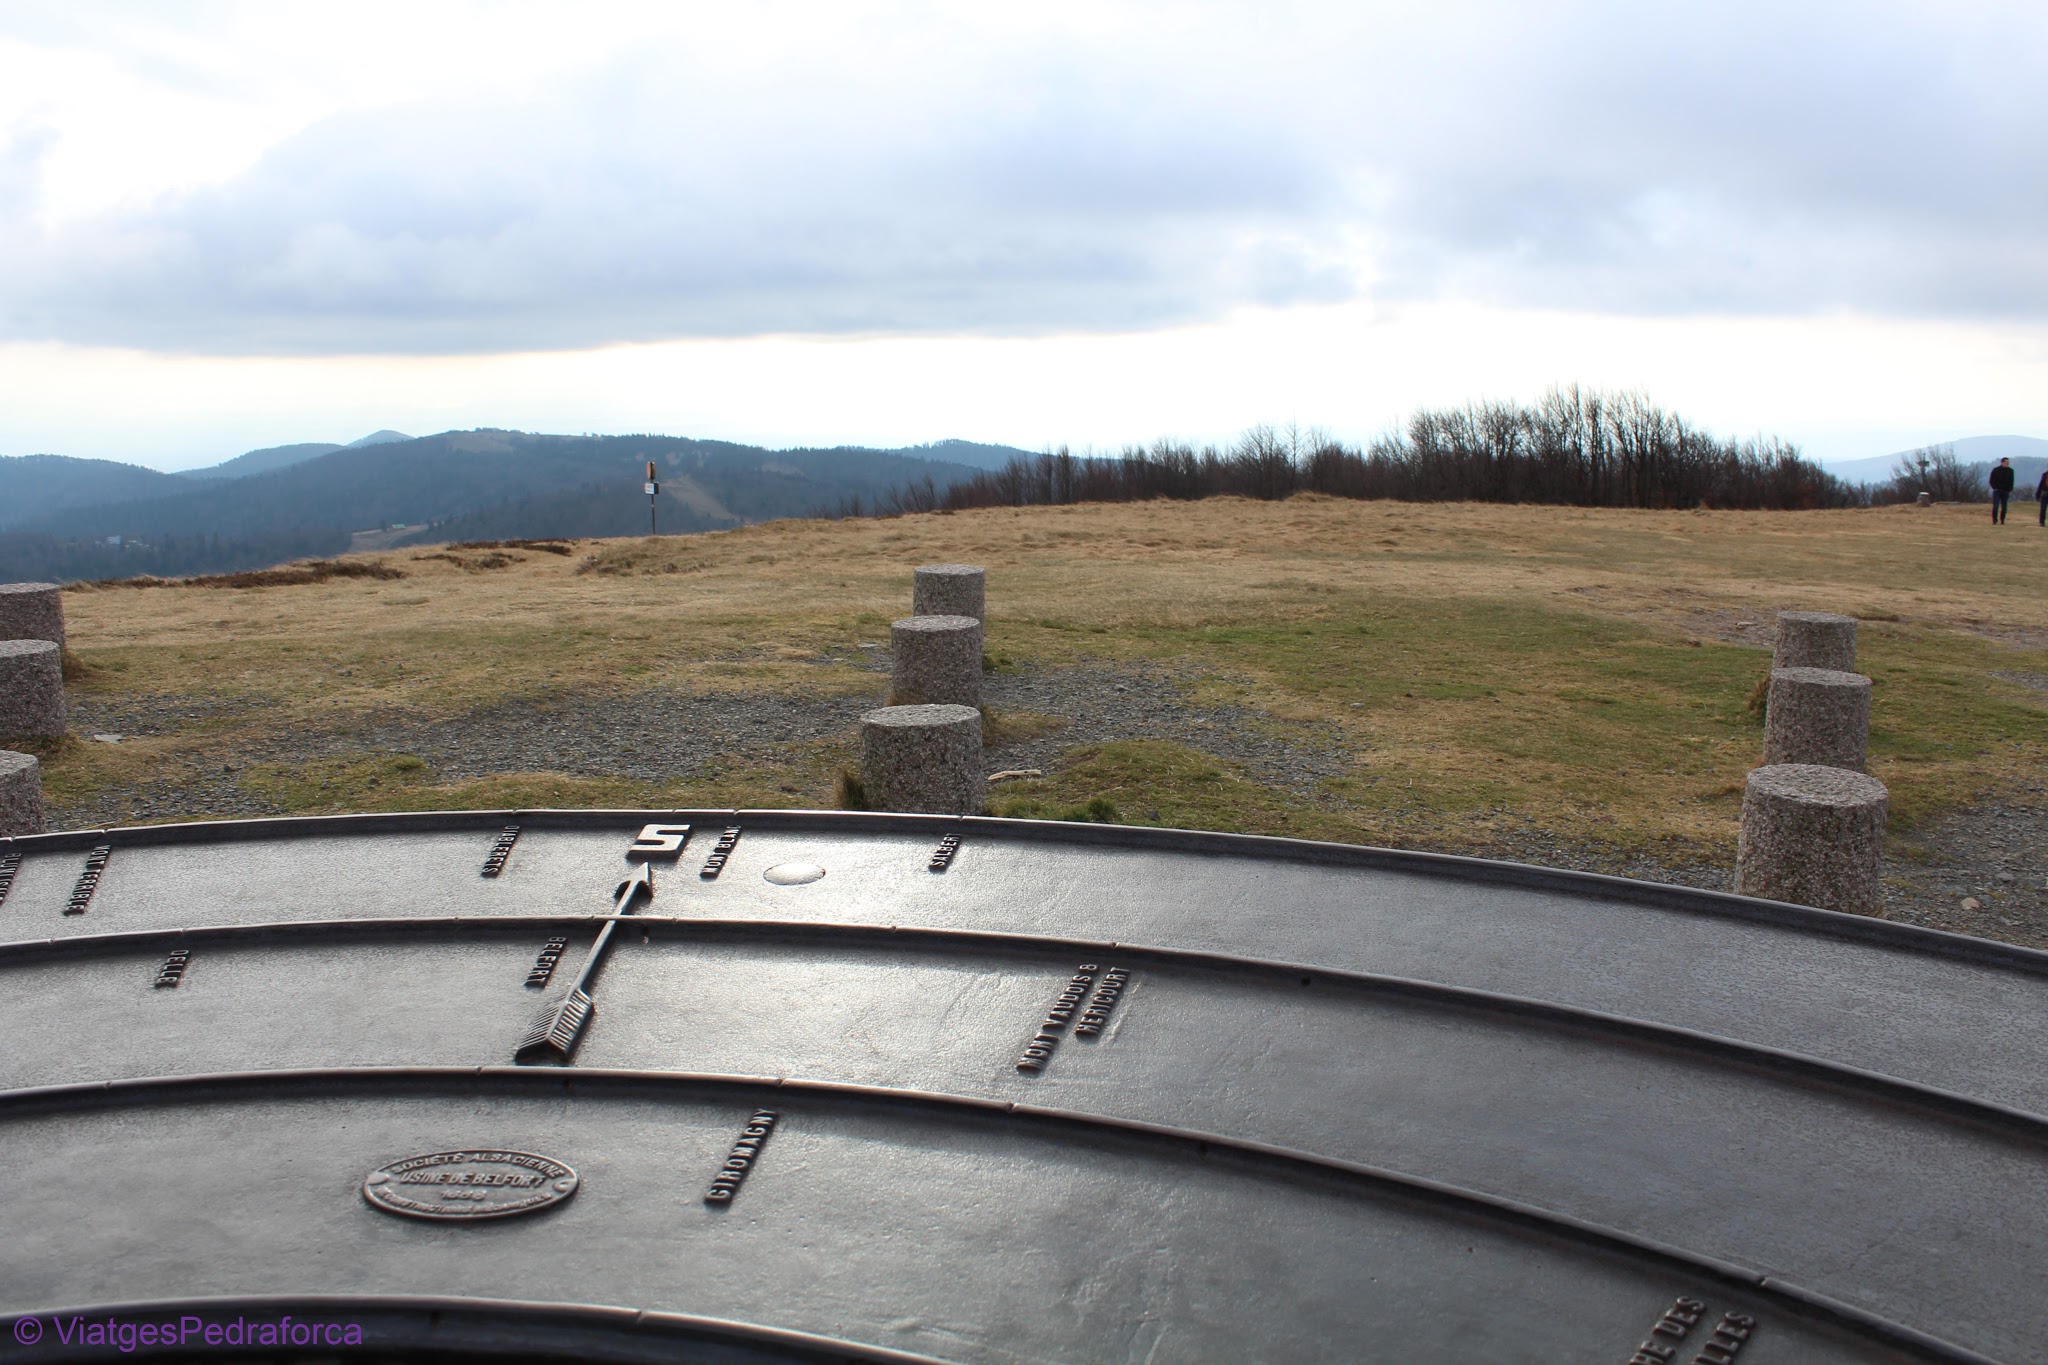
(31,611)
(31,687)
(1813,836)
(1817,715)
(936,661)
(1815,639)
(947,590)
(923,758)
(21,794)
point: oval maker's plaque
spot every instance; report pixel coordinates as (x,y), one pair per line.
(473,1184)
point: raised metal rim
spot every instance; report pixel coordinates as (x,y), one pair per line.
(227,1086)
(1693,900)
(1761,1058)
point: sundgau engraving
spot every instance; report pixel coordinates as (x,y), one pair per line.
(470,1185)
(741,1159)
(494,861)
(88,880)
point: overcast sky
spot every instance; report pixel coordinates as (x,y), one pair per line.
(230,225)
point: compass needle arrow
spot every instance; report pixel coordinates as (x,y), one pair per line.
(555,1033)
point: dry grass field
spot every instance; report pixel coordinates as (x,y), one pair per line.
(1504,680)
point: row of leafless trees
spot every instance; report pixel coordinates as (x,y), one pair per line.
(1577,447)
(1935,469)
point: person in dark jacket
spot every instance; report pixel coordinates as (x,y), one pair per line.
(2041,496)
(2001,489)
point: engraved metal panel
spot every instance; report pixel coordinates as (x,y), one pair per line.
(469,1185)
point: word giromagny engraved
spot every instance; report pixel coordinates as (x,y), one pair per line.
(1724,1343)
(469,1184)
(554,1035)
(741,1159)
(544,965)
(1039,1050)
(942,857)
(720,851)
(173,970)
(9,865)
(88,880)
(494,861)
(1096,1017)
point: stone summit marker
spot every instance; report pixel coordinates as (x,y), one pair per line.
(978,1090)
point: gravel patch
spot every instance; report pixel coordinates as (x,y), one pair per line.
(1982,871)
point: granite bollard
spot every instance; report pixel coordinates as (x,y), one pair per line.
(31,687)
(923,758)
(31,611)
(21,794)
(935,661)
(1817,715)
(1813,835)
(947,590)
(1815,639)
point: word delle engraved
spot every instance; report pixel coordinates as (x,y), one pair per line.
(1039,1050)
(1667,1338)
(9,865)
(720,851)
(468,1185)
(741,1159)
(1096,1017)
(942,857)
(173,971)
(88,880)
(544,964)
(501,849)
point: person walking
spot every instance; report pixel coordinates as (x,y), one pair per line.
(2001,490)
(2041,496)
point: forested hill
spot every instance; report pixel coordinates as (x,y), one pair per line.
(35,486)
(458,485)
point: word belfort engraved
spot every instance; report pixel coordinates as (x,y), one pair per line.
(501,849)
(720,851)
(88,880)
(9,865)
(173,971)
(741,1159)
(469,1185)
(544,964)
(1667,1339)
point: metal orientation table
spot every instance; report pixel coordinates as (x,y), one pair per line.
(791,1086)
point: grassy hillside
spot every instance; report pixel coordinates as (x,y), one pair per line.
(1489,679)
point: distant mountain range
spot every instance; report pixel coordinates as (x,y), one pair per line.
(278,457)
(2027,453)
(67,519)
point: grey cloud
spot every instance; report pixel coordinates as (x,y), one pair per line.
(635,208)
(1640,159)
